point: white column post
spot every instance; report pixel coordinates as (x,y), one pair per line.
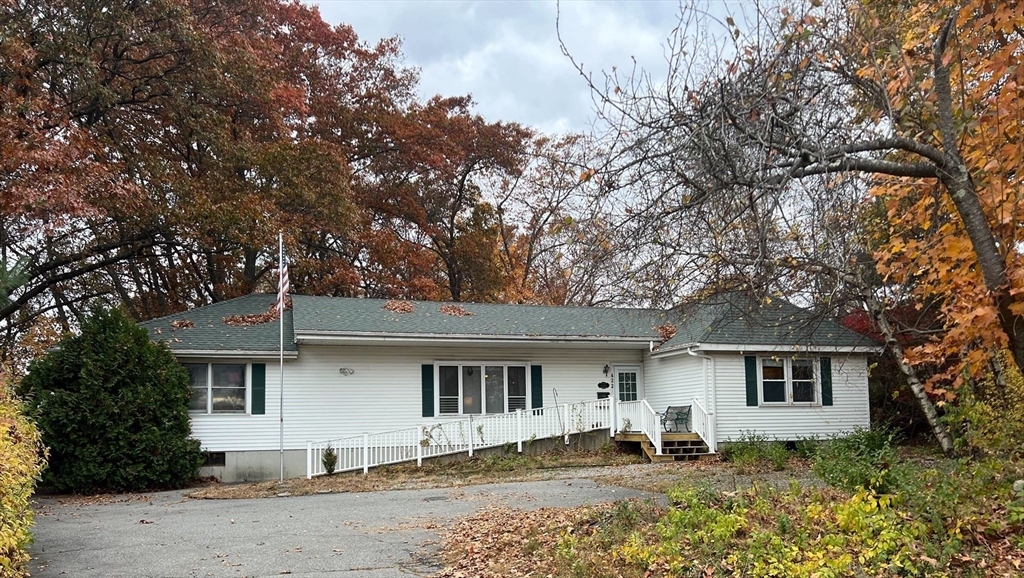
(419,450)
(470,435)
(519,430)
(565,420)
(614,410)
(309,459)
(366,453)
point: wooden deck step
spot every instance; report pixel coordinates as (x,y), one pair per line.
(673,451)
(674,446)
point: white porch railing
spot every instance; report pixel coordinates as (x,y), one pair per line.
(704,425)
(461,435)
(639,416)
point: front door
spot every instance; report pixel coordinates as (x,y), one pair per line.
(628,382)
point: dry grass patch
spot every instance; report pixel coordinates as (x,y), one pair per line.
(712,471)
(494,468)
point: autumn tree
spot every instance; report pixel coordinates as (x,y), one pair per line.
(755,134)
(151,151)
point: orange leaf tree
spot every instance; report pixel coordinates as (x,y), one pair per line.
(750,161)
(947,74)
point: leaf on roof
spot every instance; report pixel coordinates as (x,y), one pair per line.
(181,324)
(455,311)
(667,331)
(256,318)
(399,306)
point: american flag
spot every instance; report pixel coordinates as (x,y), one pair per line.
(282,284)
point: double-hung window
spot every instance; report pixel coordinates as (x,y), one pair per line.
(788,380)
(476,388)
(217,387)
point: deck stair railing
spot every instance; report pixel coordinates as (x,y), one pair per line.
(639,416)
(458,436)
(704,425)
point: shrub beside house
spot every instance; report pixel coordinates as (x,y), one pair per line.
(112,407)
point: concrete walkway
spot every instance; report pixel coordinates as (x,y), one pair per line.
(335,535)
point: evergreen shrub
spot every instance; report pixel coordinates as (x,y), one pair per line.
(112,407)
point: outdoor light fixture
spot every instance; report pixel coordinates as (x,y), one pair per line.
(606,369)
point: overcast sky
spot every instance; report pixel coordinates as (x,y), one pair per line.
(506,53)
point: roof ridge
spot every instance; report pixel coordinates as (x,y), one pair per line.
(484,304)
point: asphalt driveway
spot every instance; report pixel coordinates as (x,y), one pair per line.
(376,534)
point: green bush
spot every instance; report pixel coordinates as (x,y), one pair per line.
(862,459)
(806,447)
(752,449)
(988,418)
(113,408)
(329,460)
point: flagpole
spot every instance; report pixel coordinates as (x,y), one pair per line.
(280,412)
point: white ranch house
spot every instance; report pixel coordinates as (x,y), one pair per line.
(382,386)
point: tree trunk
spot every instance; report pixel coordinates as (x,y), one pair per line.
(962,191)
(926,405)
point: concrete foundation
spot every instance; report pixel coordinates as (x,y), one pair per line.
(258,466)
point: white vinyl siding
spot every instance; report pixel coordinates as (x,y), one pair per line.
(674,380)
(383,392)
(785,421)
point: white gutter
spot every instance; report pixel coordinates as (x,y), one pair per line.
(464,338)
(233,354)
(770,348)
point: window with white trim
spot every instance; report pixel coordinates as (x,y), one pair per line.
(788,380)
(477,388)
(217,387)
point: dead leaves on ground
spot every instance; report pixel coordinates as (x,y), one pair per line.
(501,542)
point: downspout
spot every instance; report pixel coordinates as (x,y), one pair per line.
(709,389)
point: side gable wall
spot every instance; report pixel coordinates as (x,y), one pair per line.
(675,380)
(850,408)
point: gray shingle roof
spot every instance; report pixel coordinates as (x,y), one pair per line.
(738,319)
(367,316)
(211,334)
(731,319)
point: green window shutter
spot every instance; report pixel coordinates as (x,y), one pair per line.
(427,382)
(750,362)
(259,388)
(826,381)
(536,387)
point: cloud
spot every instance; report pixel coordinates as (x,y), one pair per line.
(506,54)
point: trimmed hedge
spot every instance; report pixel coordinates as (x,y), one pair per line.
(21,461)
(113,409)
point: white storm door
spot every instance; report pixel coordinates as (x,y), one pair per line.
(628,383)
